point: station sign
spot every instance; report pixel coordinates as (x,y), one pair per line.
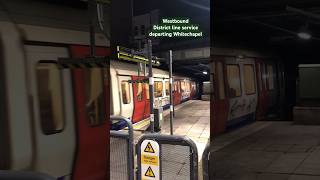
(129,55)
(150,160)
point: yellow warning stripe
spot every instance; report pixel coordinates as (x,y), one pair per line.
(141,124)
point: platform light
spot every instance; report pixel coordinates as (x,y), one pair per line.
(304,35)
(304,32)
(205,72)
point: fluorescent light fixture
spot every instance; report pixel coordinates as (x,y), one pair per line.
(205,72)
(304,35)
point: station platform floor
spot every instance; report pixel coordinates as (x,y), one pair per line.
(192,119)
(267,150)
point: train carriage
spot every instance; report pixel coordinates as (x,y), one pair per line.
(52,115)
(130,93)
(245,88)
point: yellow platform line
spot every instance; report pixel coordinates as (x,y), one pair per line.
(141,124)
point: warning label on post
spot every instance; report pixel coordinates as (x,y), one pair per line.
(150,162)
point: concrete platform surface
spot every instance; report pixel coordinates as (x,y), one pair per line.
(192,119)
(267,151)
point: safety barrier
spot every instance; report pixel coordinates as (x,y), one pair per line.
(121,152)
(166,157)
(205,162)
(24,175)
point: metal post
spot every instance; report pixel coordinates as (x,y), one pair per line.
(151,82)
(170,87)
(92,10)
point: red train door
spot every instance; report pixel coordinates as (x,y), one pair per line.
(176,92)
(91,94)
(139,100)
(262,90)
(219,101)
(146,112)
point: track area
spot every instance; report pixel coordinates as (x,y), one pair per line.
(277,151)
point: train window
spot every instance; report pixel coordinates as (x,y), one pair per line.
(167,88)
(95,101)
(233,74)
(158,89)
(50,95)
(249,82)
(270,77)
(139,92)
(221,81)
(146,86)
(125,90)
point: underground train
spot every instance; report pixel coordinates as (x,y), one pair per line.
(247,86)
(130,97)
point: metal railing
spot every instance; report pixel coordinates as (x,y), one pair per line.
(205,162)
(178,157)
(24,175)
(121,152)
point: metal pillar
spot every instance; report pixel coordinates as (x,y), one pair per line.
(151,83)
(170,87)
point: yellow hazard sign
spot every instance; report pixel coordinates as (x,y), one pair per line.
(149,172)
(148,159)
(149,148)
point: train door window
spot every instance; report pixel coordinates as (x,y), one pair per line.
(188,86)
(249,82)
(270,80)
(136,30)
(221,80)
(167,88)
(259,73)
(176,86)
(264,76)
(143,30)
(233,74)
(281,75)
(183,86)
(158,89)
(139,91)
(125,91)
(50,95)
(146,86)
(95,102)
